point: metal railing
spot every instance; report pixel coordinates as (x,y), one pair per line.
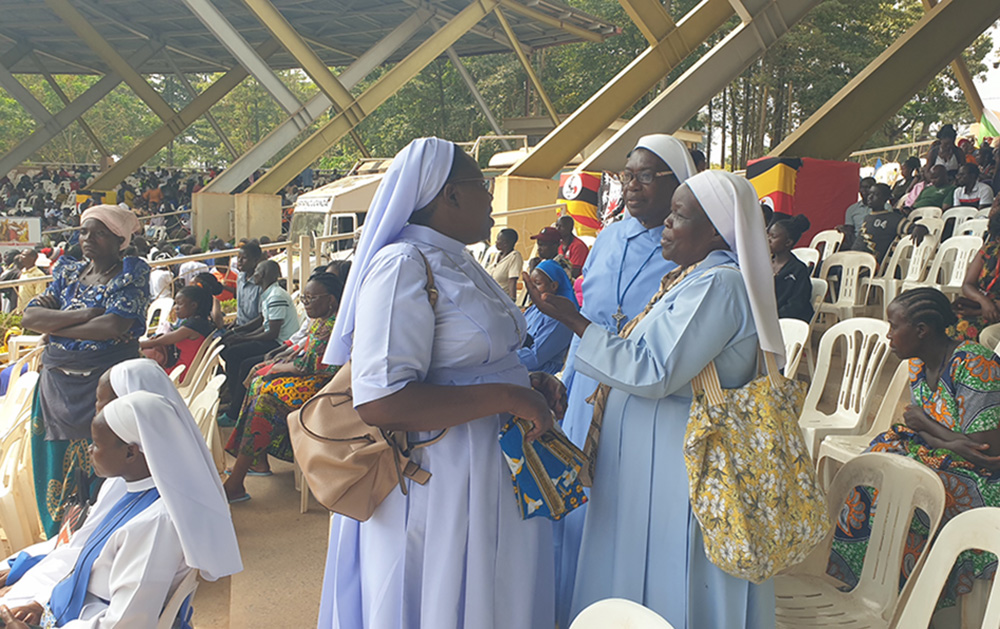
(304,249)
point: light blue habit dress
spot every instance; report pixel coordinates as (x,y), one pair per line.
(641,541)
(627,250)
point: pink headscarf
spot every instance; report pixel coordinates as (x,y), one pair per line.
(120,221)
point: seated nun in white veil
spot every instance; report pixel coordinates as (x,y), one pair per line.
(137,374)
(160,514)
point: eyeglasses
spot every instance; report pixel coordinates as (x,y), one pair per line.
(645,177)
(485,182)
(308,299)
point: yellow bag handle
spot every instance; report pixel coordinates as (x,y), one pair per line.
(707,381)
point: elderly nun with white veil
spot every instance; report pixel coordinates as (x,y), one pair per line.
(453,552)
(640,539)
(160,514)
(622,272)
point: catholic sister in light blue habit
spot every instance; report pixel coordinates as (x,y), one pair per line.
(622,272)
(641,540)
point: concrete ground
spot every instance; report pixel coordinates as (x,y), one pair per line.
(284,553)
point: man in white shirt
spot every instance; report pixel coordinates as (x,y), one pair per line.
(969,191)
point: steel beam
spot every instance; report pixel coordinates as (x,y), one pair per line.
(66,101)
(228,36)
(15,54)
(651,17)
(333,131)
(471,84)
(672,108)
(964,78)
(176,125)
(854,113)
(309,61)
(24,97)
(277,139)
(81,26)
(612,100)
(526,63)
(545,18)
(27,147)
(208,114)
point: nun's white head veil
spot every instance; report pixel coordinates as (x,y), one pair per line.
(143,374)
(185,476)
(672,151)
(731,204)
(414,178)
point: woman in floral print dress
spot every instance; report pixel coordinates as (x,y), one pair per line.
(279,388)
(953,427)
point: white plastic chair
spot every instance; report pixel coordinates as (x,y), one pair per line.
(974,227)
(205,372)
(975,529)
(157,310)
(865,348)
(897,263)
(829,239)
(806,597)
(928,211)
(808,256)
(836,450)
(204,407)
(795,334)
(618,613)
(947,270)
(17,403)
(990,337)
(916,267)
(185,588)
(959,215)
(14,509)
(852,293)
(934,225)
(207,347)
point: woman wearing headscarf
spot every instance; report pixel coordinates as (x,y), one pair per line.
(453,552)
(160,514)
(548,339)
(641,540)
(621,273)
(93,312)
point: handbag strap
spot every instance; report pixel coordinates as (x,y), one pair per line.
(707,380)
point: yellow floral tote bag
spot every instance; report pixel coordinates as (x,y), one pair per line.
(752,483)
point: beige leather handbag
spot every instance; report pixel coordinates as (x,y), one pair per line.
(350,466)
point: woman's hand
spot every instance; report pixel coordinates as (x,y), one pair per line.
(917,419)
(30,613)
(3,577)
(554,391)
(975,453)
(8,619)
(990,312)
(288,368)
(557,307)
(47,301)
(531,406)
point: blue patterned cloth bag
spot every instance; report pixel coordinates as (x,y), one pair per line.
(545,472)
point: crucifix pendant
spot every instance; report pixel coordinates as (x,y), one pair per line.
(619,318)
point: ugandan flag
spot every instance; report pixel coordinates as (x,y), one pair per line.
(774,179)
(580,193)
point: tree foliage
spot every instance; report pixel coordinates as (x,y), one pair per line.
(800,73)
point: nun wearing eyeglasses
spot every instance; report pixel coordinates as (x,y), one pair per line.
(641,540)
(621,273)
(160,514)
(452,553)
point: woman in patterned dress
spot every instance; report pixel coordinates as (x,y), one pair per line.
(952,426)
(979,305)
(279,388)
(93,313)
